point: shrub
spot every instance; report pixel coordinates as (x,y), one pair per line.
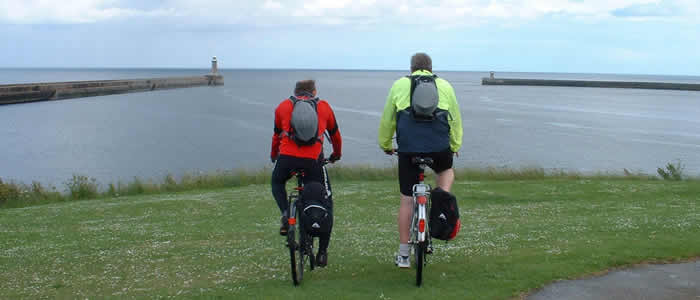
(169,183)
(82,187)
(40,194)
(8,192)
(136,187)
(112,190)
(672,171)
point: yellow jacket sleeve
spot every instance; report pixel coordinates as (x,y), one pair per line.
(387,125)
(455,122)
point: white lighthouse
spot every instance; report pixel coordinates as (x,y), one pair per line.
(214,66)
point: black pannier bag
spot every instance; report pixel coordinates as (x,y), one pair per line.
(316,213)
(444,215)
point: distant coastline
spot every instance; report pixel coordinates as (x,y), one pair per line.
(176,69)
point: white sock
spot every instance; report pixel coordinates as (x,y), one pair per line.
(404,249)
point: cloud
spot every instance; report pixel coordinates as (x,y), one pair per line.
(648,10)
(74,11)
(352,12)
(272,5)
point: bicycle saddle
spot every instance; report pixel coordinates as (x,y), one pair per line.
(419,160)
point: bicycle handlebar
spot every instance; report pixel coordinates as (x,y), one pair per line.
(416,160)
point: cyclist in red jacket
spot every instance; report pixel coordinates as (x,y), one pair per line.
(288,155)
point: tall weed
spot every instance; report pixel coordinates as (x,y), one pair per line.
(81,187)
(672,171)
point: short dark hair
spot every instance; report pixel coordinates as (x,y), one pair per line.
(305,86)
(421,61)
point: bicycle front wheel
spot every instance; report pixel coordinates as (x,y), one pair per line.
(302,257)
(419,251)
(293,250)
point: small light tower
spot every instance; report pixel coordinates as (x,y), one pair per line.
(492,74)
(214,66)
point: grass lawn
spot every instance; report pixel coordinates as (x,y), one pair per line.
(517,235)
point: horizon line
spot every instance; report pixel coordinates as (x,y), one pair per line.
(333,69)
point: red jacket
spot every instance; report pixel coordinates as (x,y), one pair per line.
(284,145)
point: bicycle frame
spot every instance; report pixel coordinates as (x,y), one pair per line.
(419,239)
(421,203)
(294,197)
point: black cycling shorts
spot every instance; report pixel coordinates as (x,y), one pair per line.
(408,172)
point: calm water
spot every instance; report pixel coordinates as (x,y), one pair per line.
(204,129)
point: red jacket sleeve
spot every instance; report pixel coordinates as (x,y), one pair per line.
(275,150)
(334,133)
(276,138)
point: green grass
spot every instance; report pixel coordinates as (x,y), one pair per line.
(517,235)
(81,187)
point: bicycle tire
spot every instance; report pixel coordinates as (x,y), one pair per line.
(310,252)
(291,243)
(420,262)
(302,259)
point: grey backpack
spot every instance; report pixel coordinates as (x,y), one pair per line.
(304,121)
(424,97)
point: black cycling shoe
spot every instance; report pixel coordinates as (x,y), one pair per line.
(322,259)
(284,228)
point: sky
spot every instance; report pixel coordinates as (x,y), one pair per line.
(574,36)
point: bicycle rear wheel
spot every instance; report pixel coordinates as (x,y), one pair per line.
(310,252)
(419,251)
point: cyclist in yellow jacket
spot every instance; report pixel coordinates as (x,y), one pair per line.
(439,138)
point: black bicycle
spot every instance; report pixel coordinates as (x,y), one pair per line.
(300,243)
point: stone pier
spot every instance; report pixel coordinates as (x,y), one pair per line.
(30,92)
(492,80)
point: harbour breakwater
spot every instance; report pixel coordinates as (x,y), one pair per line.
(31,92)
(591,83)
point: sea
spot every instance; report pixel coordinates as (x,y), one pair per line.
(207,129)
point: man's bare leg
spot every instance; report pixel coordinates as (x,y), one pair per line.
(404,221)
(445,179)
(405,214)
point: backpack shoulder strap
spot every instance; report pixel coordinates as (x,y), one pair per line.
(284,133)
(293,99)
(314,102)
(412,78)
